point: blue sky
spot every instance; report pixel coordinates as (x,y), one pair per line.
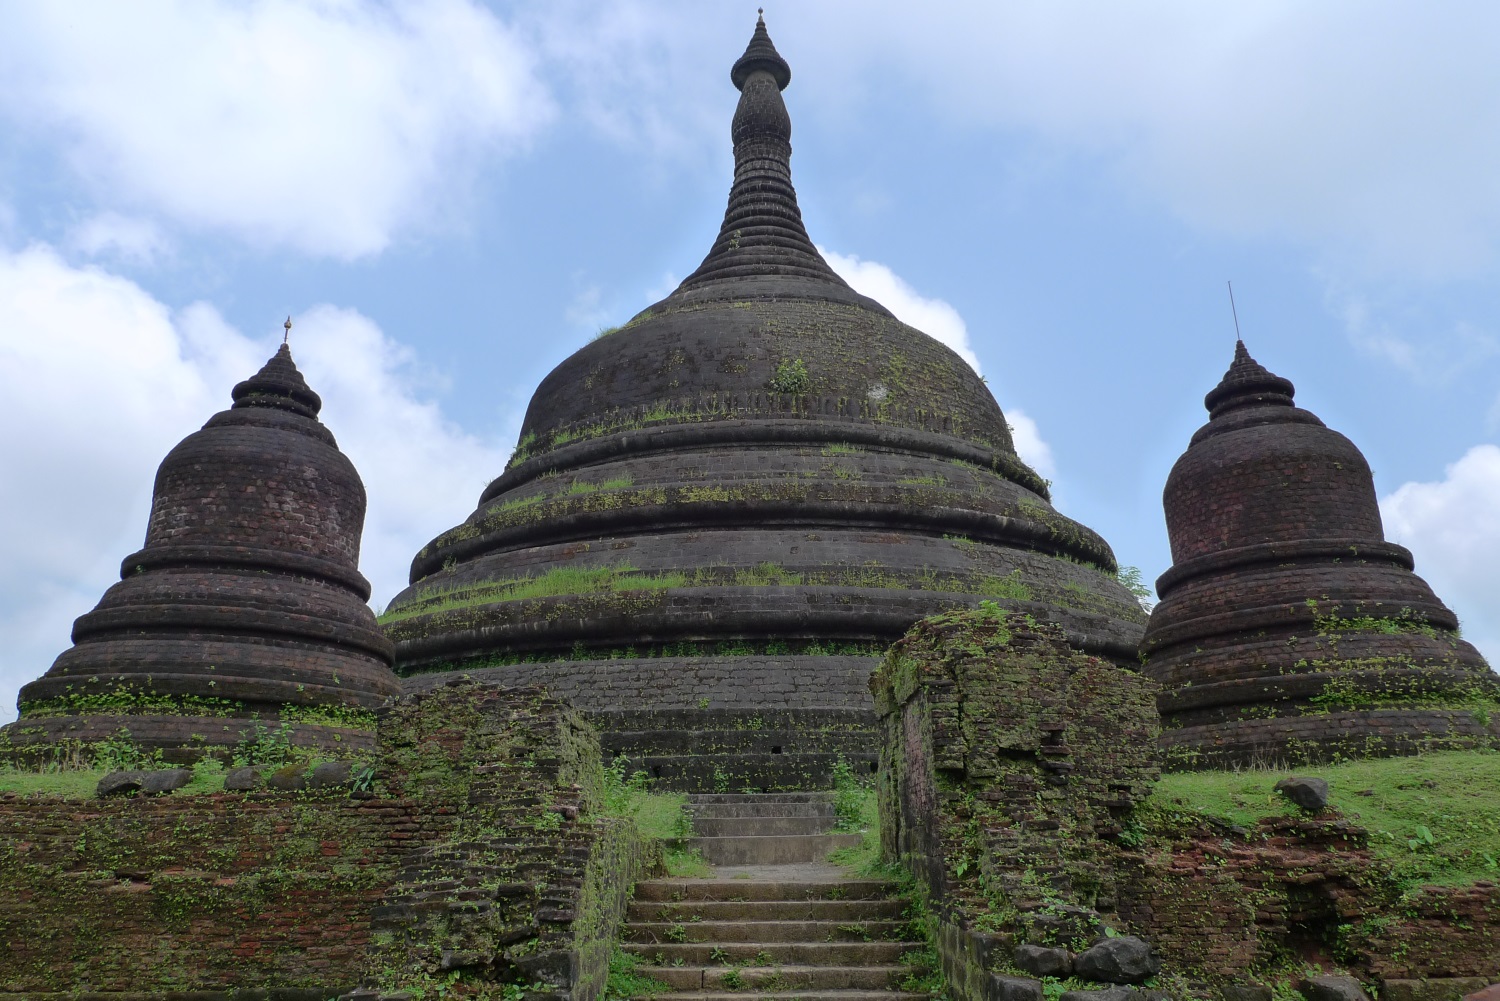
(450,196)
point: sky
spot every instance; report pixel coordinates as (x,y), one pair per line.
(449,197)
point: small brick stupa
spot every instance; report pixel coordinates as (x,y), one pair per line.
(719,516)
(1288,628)
(245,605)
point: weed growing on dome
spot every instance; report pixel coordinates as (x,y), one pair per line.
(559,581)
(791,377)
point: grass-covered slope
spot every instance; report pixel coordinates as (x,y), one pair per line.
(1434,818)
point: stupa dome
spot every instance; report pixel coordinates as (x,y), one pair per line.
(244,606)
(720,514)
(1288,628)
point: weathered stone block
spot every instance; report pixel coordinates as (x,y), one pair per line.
(1309,793)
(1123,960)
(1332,988)
(1043,961)
(1004,988)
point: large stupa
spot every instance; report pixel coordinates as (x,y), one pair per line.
(720,514)
(1288,628)
(243,618)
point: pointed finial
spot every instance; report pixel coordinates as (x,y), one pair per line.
(1235,313)
(760,54)
(760,15)
(287,327)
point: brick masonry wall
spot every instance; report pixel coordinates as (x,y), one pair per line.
(1008,757)
(487,807)
(1223,902)
(1010,766)
(752,682)
(200,892)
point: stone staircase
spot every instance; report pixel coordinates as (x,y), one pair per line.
(774,920)
(746,829)
(737,749)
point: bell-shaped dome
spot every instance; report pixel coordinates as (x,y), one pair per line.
(1258,448)
(245,605)
(1288,627)
(718,515)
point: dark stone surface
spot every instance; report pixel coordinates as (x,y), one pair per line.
(1117,993)
(245,599)
(120,783)
(1309,793)
(327,774)
(1123,960)
(1043,961)
(288,778)
(165,780)
(1005,988)
(1246,992)
(1288,628)
(1437,989)
(1332,988)
(243,780)
(792,471)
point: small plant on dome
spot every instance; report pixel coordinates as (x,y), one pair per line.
(791,377)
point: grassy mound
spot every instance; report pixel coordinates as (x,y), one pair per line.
(1434,818)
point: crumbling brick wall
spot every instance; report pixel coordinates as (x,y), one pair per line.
(324,890)
(1013,770)
(1008,757)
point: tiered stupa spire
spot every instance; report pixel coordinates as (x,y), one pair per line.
(245,607)
(1288,628)
(762,232)
(718,516)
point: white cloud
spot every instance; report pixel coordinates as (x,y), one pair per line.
(1432,352)
(587,311)
(110,234)
(98,381)
(422,473)
(1453,528)
(327,126)
(943,323)
(1369,132)
(933,317)
(1030,446)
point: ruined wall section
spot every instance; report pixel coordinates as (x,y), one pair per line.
(476,856)
(1014,780)
(1008,758)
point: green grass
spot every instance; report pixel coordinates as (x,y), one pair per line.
(661,815)
(1434,818)
(656,814)
(70,783)
(626,980)
(858,811)
(686,863)
(79,783)
(563,580)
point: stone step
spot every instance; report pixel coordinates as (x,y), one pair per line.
(640,743)
(726,811)
(766,931)
(754,773)
(682,890)
(757,798)
(783,978)
(760,827)
(781,849)
(774,953)
(836,911)
(833,995)
(827,719)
